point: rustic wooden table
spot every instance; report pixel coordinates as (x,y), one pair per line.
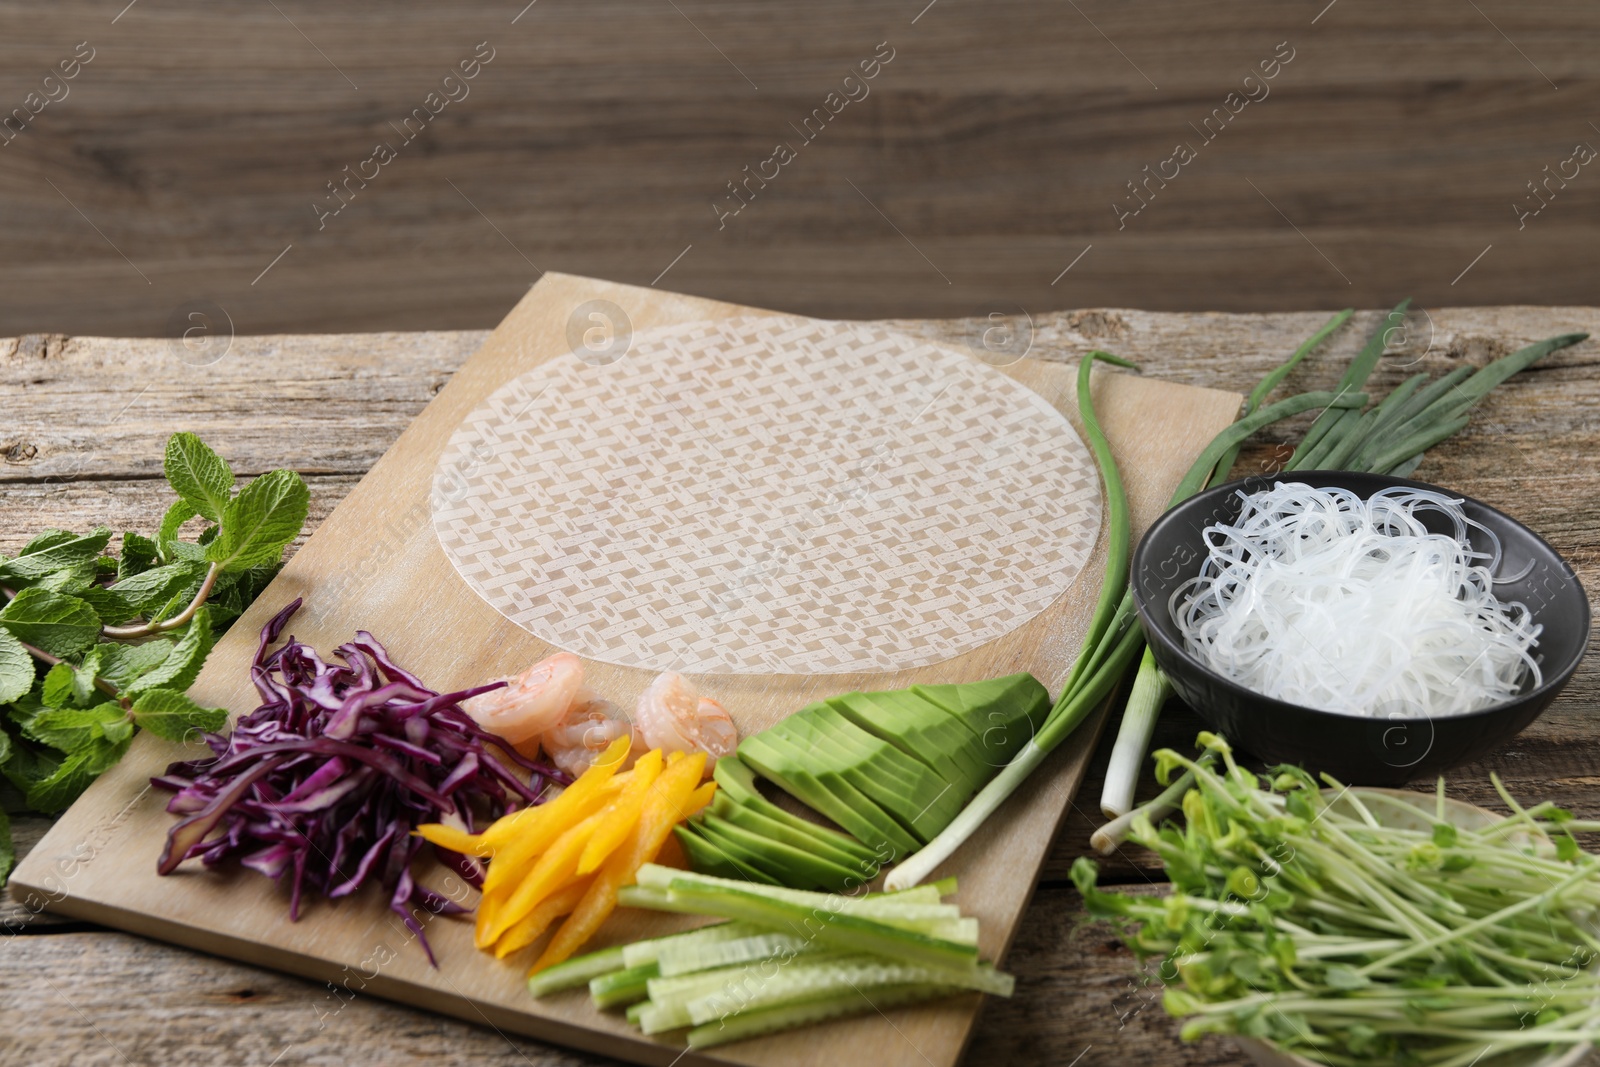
(85,419)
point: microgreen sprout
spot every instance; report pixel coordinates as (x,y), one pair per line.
(1355,926)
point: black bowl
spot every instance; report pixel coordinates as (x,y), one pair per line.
(1382,750)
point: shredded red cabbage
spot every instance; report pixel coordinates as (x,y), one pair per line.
(328,777)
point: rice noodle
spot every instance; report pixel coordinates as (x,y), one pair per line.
(1327,600)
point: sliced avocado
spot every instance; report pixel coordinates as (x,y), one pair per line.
(1014,694)
(1004,712)
(736,779)
(820,724)
(707,858)
(910,791)
(750,861)
(936,796)
(829,794)
(796,867)
(921,730)
(737,782)
(816,751)
(747,818)
(826,766)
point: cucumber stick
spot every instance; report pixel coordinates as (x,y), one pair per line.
(689,959)
(581,970)
(802,980)
(837,929)
(788,957)
(772,1020)
(642,952)
(620,988)
(577,971)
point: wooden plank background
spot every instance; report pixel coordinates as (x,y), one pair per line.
(185,157)
(86,420)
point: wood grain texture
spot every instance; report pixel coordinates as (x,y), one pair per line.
(1530,451)
(376,563)
(601,134)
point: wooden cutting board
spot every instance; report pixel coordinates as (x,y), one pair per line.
(376,564)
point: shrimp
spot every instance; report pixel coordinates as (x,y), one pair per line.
(672,715)
(591,725)
(534,701)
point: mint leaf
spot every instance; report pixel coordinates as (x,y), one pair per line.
(56,792)
(28,766)
(169,714)
(121,664)
(159,584)
(56,691)
(112,607)
(72,729)
(258,523)
(22,710)
(54,549)
(179,513)
(235,591)
(185,550)
(54,622)
(47,540)
(5,746)
(179,669)
(138,554)
(72,578)
(198,475)
(83,677)
(16,670)
(119,731)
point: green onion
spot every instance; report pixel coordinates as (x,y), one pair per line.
(1272,380)
(1106,839)
(1151,690)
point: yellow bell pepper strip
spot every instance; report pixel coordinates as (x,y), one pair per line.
(528,929)
(510,827)
(673,798)
(523,826)
(536,829)
(697,801)
(549,821)
(555,868)
(453,838)
(621,814)
(505,830)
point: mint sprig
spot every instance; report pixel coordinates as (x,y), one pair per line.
(94,647)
